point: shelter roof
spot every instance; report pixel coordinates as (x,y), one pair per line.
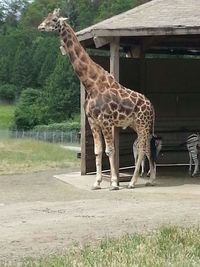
(157,17)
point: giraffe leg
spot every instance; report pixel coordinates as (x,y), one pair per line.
(137,170)
(110,152)
(135,154)
(152,164)
(142,167)
(141,153)
(152,172)
(97,136)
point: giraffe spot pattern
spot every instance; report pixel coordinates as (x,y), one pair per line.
(77,50)
(106,97)
(69,43)
(63,33)
(72,55)
(113,106)
(115,115)
(93,74)
(84,58)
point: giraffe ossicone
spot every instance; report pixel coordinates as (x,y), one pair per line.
(108,104)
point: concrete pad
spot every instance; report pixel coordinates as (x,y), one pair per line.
(166,184)
(81,181)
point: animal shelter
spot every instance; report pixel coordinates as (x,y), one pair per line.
(153,49)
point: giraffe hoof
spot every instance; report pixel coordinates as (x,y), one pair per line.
(149,184)
(131,186)
(114,188)
(96,187)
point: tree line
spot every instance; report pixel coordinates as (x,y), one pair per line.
(33,73)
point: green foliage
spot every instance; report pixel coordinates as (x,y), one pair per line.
(108,8)
(63,91)
(30,59)
(22,67)
(8,93)
(6,116)
(45,59)
(29,110)
(10,11)
(64,127)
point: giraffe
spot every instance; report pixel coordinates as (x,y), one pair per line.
(108,104)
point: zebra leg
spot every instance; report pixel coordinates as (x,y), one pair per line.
(190,164)
(196,164)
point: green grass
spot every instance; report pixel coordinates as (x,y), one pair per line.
(26,155)
(6,115)
(169,246)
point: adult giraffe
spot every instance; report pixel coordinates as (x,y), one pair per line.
(108,104)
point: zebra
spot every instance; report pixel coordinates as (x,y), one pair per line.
(156,146)
(193,145)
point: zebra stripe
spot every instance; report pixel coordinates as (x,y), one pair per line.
(192,143)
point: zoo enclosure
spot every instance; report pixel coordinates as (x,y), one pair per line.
(161,39)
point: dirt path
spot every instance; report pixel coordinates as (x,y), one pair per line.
(40,214)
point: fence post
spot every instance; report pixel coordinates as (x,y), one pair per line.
(45,136)
(62,137)
(71,134)
(37,136)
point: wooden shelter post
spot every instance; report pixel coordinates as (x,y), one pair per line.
(83,132)
(114,70)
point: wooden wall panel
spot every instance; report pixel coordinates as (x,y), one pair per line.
(172,75)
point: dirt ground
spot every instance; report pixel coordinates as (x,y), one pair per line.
(41,214)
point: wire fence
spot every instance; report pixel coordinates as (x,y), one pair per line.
(61,137)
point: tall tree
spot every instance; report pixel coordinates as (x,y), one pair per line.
(63,91)
(11,10)
(22,68)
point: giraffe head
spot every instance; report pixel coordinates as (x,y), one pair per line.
(52,22)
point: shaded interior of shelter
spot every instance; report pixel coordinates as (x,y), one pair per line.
(173,86)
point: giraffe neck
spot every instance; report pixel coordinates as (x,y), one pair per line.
(79,58)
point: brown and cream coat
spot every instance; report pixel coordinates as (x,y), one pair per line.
(108,103)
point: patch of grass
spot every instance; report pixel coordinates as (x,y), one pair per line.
(6,116)
(169,246)
(26,155)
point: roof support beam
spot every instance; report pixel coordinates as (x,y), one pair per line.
(114,70)
(101,41)
(83,132)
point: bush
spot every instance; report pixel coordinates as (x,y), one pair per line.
(30,111)
(8,93)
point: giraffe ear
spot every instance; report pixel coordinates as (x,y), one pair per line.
(62,20)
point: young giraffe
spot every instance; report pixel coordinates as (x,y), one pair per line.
(108,104)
